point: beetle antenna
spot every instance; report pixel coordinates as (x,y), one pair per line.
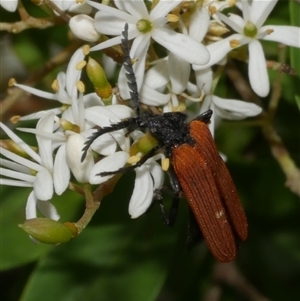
(129,73)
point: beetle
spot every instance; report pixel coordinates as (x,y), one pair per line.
(196,169)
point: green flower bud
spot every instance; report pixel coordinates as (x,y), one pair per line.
(48,231)
(143,145)
(98,78)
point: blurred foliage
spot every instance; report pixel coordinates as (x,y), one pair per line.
(116,258)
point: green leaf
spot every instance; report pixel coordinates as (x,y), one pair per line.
(105,262)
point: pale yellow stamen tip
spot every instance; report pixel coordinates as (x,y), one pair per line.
(79,1)
(80,65)
(212,9)
(133,159)
(165,164)
(86,49)
(232,3)
(80,86)
(55,85)
(12,82)
(269,31)
(234,43)
(15,119)
(172,18)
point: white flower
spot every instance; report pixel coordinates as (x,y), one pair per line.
(103,117)
(249,31)
(231,109)
(142,27)
(65,90)
(9,5)
(149,177)
(37,172)
(83,28)
(173,72)
(110,163)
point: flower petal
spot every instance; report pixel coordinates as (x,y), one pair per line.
(218,50)
(288,35)
(14,166)
(43,185)
(162,8)
(106,146)
(157,76)
(109,43)
(199,24)
(80,170)
(204,80)
(179,71)
(30,210)
(113,25)
(111,163)
(260,11)
(151,97)
(61,171)
(142,194)
(48,210)
(158,175)
(45,124)
(113,12)
(73,74)
(36,92)
(258,74)
(17,175)
(101,116)
(236,22)
(135,8)
(9,182)
(181,45)
(27,149)
(235,109)
(10,6)
(20,160)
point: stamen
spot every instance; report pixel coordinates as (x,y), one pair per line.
(212,9)
(133,160)
(165,164)
(12,82)
(234,43)
(172,18)
(86,49)
(55,85)
(80,65)
(80,86)
(15,119)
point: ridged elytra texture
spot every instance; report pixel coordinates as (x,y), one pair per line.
(210,192)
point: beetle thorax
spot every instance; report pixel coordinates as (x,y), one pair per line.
(169,129)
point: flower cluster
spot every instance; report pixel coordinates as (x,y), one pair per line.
(176,75)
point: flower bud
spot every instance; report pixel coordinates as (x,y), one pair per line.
(15,148)
(83,28)
(10,6)
(98,78)
(47,231)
